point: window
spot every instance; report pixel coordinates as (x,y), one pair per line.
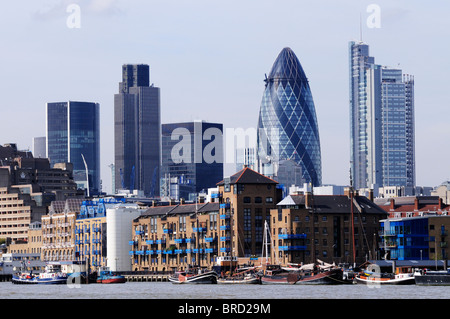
(247,200)
(269,200)
(258,200)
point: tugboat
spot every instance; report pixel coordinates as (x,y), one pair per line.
(52,275)
(106,276)
(193,277)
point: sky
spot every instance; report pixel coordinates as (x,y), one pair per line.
(210,57)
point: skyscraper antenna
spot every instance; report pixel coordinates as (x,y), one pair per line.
(360,28)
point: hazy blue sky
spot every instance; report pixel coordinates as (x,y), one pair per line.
(209,58)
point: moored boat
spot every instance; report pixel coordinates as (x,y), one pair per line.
(51,276)
(432,277)
(192,277)
(106,276)
(311,274)
(402,276)
(248,276)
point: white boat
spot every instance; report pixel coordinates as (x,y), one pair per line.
(402,276)
(51,276)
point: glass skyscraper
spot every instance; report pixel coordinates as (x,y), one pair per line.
(192,158)
(137,131)
(381,122)
(73,135)
(287,126)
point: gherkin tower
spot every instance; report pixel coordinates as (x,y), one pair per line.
(287,126)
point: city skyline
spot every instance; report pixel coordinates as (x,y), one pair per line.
(214,52)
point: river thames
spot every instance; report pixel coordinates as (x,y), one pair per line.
(167,290)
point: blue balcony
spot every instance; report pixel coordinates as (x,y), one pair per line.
(225,250)
(210,250)
(161,241)
(139,252)
(149,242)
(292,236)
(291,248)
(149,252)
(132,242)
(180,240)
(226,205)
(179,251)
(188,251)
(131,253)
(189,240)
(168,231)
(225,216)
(225,227)
(159,251)
(210,239)
(199,229)
(225,238)
(139,232)
(216,195)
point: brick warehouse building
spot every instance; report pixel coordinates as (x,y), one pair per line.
(305,228)
(170,237)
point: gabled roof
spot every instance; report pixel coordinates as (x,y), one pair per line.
(249,176)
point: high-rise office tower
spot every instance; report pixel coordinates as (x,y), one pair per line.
(381,122)
(137,131)
(192,158)
(287,127)
(398,128)
(73,136)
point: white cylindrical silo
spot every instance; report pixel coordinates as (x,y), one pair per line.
(119,221)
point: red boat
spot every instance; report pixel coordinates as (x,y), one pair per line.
(108,277)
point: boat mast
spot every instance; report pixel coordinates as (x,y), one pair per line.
(353,219)
(265,242)
(313,244)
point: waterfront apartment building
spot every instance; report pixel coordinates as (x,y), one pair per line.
(177,236)
(307,227)
(381,122)
(73,136)
(166,238)
(287,125)
(415,238)
(246,200)
(33,244)
(137,132)
(58,230)
(192,159)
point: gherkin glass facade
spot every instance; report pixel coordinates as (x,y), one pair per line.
(287,126)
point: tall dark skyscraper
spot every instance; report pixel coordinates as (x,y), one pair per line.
(287,127)
(73,135)
(192,158)
(137,131)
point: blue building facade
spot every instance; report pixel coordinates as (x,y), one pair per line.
(287,126)
(405,238)
(73,132)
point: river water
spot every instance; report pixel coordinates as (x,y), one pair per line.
(167,290)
